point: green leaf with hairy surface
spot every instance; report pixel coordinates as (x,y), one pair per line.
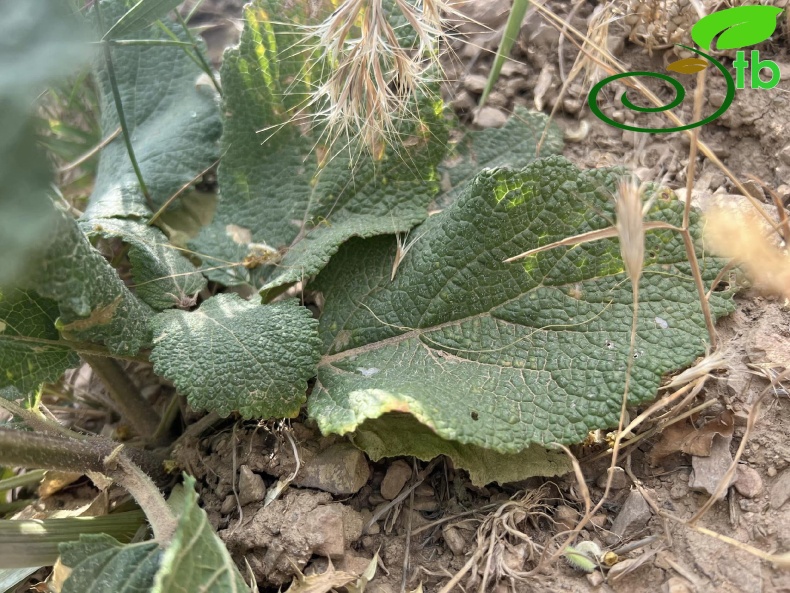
(196,560)
(94,304)
(174,127)
(232,354)
(512,145)
(102,563)
(401,434)
(29,352)
(163,278)
(503,356)
(279,181)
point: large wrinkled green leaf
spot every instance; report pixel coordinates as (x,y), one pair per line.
(41,42)
(101,563)
(503,356)
(163,278)
(29,352)
(512,145)
(231,354)
(283,185)
(174,124)
(94,304)
(196,560)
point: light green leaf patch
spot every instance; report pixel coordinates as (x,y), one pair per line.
(163,278)
(174,127)
(196,560)
(29,352)
(506,356)
(231,354)
(512,145)
(280,180)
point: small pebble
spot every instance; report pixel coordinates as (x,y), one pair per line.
(748,482)
(395,479)
(619,479)
(475,83)
(251,486)
(780,491)
(489,117)
(566,518)
(454,539)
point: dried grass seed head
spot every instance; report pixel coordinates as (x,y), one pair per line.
(629,222)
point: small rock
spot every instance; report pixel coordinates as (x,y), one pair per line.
(708,471)
(598,521)
(251,486)
(566,518)
(424,491)
(454,540)
(326,522)
(771,471)
(512,68)
(426,505)
(395,479)
(595,578)
(497,99)
(619,479)
(754,189)
(633,516)
(339,469)
(780,491)
(748,482)
(677,585)
(463,102)
(784,155)
(228,505)
(489,117)
(475,83)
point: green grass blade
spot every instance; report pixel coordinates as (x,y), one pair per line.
(508,39)
(33,542)
(139,16)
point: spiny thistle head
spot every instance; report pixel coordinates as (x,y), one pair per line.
(374,70)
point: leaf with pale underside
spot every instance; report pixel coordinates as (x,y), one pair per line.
(505,356)
(232,354)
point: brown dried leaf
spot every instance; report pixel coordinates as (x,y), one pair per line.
(321,583)
(684,437)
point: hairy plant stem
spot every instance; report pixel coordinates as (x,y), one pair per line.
(20,448)
(134,408)
(37,421)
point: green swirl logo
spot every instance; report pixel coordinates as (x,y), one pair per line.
(736,27)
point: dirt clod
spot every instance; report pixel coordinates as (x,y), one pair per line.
(780,491)
(251,486)
(341,469)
